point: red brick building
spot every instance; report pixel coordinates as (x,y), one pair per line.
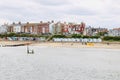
(74,28)
(35,28)
(43,28)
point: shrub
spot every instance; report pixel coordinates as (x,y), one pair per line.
(76,36)
(59,36)
(85,36)
(94,37)
(111,38)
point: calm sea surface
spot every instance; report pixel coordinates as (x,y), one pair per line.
(59,64)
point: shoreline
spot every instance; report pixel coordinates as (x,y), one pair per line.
(62,44)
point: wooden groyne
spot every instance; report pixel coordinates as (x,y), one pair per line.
(14,43)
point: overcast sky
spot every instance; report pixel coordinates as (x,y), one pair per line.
(103,13)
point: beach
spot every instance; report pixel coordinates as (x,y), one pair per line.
(79,45)
(111,45)
(59,63)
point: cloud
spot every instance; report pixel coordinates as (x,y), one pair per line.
(92,12)
(52,2)
(80,11)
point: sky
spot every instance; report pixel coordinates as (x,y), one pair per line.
(95,13)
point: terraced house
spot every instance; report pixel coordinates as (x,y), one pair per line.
(91,31)
(47,28)
(31,28)
(114,32)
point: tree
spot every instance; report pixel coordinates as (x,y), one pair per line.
(76,36)
(101,33)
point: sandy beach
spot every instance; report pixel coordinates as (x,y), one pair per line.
(64,44)
(78,45)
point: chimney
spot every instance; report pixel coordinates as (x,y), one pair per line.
(52,21)
(13,23)
(19,22)
(41,22)
(48,22)
(64,22)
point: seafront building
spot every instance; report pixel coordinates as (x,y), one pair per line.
(114,32)
(91,31)
(76,28)
(31,28)
(3,28)
(46,28)
(51,28)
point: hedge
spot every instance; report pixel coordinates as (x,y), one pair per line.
(111,38)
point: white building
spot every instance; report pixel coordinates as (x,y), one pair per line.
(114,32)
(52,28)
(17,28)
(3,29)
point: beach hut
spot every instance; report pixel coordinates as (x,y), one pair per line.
(99,40)
(90,40)
(63,39)
(57,39)
(81,39)
(60,39)
(14,38)
(94,40)
(54,39)
(9,38)
(85,40)
(69,39)
(77,40)
(20,39)
(73,39)
(66,40)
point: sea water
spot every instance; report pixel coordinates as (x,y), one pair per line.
(49,63)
